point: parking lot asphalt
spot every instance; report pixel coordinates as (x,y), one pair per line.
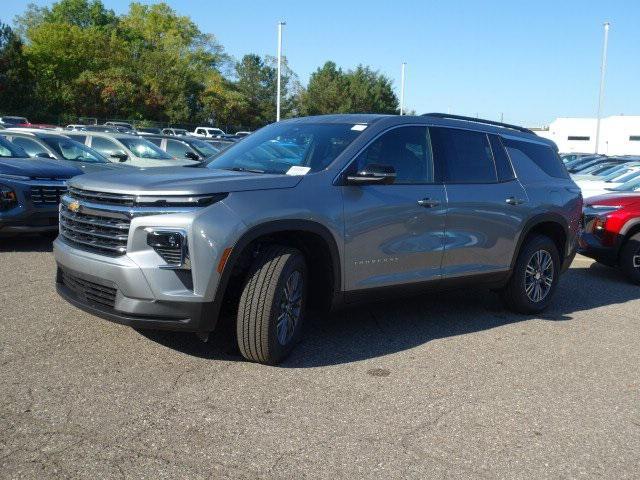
(448,385)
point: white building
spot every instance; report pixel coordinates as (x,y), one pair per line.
(619,135)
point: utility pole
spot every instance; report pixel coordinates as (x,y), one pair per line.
(603,69)
(280,25)
(404,64)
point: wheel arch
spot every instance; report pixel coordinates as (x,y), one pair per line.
(550,224)
(315,241)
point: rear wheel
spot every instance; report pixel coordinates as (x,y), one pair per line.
(630,258)
(535,276)
(272,304)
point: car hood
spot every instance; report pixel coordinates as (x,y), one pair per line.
(91,167)
(37,168)
(615,198)
(182,181)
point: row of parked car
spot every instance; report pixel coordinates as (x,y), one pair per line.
(30,191)
(611,218)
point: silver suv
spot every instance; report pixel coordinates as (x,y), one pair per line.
(319,212)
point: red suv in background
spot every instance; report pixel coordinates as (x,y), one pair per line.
(611,231)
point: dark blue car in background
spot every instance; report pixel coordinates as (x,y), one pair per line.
(30,191)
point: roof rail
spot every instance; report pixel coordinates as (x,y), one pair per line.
(478,120)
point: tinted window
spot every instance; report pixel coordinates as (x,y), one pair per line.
(464,156)
(406,149)
(503,164)
(177,149)
(31,147)
(543,156)
(72,150)
(155,141)
(104,146)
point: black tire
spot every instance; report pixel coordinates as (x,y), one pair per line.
(262,304)
(629,258)
(515,294)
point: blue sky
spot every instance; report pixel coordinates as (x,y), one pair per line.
(532,61)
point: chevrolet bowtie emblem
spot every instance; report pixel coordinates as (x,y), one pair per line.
(74,206)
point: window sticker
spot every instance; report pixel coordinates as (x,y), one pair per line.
(298,170)
(358,127)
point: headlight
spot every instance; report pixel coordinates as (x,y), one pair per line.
(600,209)
(171,245)
(599,214)
(8,198)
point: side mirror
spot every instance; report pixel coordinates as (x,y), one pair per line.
(43,155)
(192,155)
(373,174)
(121,156)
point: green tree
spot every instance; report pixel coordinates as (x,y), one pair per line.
(362,90)
(325,92)
(16,81)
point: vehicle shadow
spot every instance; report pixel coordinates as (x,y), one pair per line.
(27,243)
(377,329)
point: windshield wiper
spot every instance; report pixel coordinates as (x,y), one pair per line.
(243,169)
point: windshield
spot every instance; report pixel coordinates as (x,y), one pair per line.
(609,170)
(11,150)
(630,186)
(627,177)
(278,147)
(74,151)
(203,148)
(144,149)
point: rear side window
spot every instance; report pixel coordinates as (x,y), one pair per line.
(503,164)
(463,156)
(543,156)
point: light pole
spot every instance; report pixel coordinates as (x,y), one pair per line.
(603,69)
(404,64)
(280,25)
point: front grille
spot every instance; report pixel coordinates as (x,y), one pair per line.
(103,197)
(94,232)
(47,194)
(92,292)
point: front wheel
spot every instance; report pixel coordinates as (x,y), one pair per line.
(630,258)
(535,276)
(272,305)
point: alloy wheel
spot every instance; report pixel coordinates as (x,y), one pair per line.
(290,307)
(538,277)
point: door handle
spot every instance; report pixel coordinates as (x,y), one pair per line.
(428,203)
(514,201)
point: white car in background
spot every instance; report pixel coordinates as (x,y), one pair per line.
(592,188)
(208,132)
(129,149)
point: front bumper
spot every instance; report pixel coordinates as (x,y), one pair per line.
(133,301)
(591,246)
(36,210)
(26,218)
(178,316)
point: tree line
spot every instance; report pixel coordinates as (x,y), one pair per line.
(78,58)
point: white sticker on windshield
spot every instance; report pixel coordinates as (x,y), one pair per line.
(358,128)
(297,170)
